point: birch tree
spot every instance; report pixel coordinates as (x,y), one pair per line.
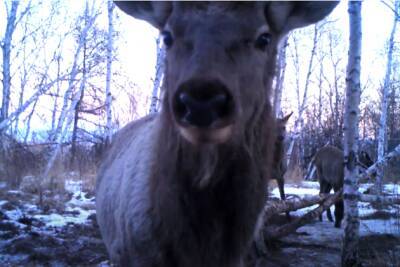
(302,100)
(279,77)
(110,9)
(89,21)
(158,75)
(350,256)
(6,46)
(382,134)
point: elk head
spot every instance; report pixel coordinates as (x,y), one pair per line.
(220,60)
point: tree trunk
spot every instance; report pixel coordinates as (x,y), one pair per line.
(302,101)
(6,49)
(78,105)
(110,8)
(372,170)
(58,88)
(279,77)
(43,89)
(382,135)
(74,72)
(28,123)
(158,76)
(350,256)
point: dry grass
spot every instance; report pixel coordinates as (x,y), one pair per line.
(294,175)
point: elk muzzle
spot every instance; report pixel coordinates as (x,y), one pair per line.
(204,111)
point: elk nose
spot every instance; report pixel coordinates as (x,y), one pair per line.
(201,104)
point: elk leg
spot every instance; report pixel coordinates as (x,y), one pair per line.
(281,184)
(339,211)
(325,188)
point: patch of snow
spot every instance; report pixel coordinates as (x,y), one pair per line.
(3,185)
(73,186)
(14,215)
(17,192)
(379,226)
(392,189)
(365,209)
(296,191)
(80,199)
(30,207)
(2,202)
(310,184)
(57,220)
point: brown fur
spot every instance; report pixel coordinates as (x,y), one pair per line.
(164,199)
(278,162)
(329,162)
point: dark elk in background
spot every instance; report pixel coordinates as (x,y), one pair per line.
(329,162)
(186,187)
(279,166)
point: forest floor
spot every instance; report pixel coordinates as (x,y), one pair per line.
(319,243)
(51,229)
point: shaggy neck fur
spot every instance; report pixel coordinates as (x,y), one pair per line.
(206,199)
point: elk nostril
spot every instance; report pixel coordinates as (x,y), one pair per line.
(202,103)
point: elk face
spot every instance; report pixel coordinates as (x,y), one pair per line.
(220,60)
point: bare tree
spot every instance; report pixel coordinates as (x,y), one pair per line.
(279,77)
(382,135)
(302,100)
(158,75)
(110,9)
(89,21)
(6,46)
(350,188)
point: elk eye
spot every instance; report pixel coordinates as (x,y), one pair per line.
(263,40)
(167,38)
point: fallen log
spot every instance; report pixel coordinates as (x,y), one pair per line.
(371,171)
(387,200)
(281,231)
(279,206)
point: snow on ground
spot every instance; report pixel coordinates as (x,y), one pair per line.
(49,229)
(371,222)
(78,208)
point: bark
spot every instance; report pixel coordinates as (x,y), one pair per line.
(350,256)
(279,206)
(108,102)
(42,89)
(279,78)
(380,164)
(78,105)
(63,133)
(281,231)
(158,76)
(382,135)
(274,207)
(6,49)
(58,88)
(28,123)
(74,73)
(302,101)
(6,45)
(387,200)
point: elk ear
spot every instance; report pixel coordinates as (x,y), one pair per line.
(286,16)
(286,118)
(155,13)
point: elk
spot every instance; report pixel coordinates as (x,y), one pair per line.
(278,162)
(329,162)
(186,186)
